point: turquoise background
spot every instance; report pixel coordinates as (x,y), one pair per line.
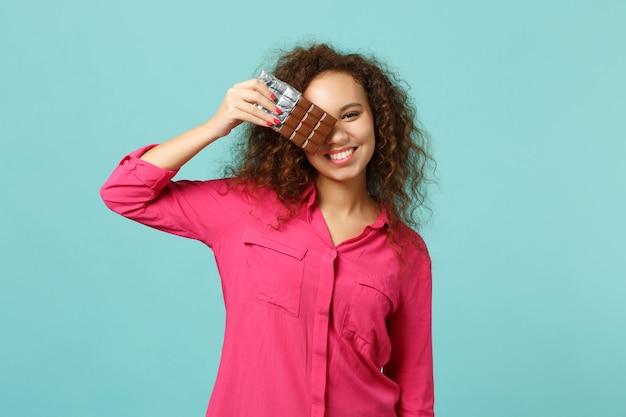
(100,316)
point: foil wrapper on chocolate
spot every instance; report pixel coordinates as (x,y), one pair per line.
(302,122)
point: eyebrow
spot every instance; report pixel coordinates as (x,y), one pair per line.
(347,106)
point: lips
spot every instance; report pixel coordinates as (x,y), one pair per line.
(339,156)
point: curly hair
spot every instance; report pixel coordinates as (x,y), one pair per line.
(396,175)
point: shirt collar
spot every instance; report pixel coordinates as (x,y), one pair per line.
(381,221)
(309,196)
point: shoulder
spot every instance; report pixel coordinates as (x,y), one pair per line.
(250,191)
(414,260)
(231,187)
(411,241)
(262,202)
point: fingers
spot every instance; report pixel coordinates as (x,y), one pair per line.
(248,97)
(243,103)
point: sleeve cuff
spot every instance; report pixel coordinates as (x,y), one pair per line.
(149,174)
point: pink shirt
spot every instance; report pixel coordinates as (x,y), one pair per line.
(311,329)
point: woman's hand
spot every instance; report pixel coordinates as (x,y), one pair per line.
(241,104)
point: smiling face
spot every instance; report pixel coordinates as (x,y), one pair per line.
(349,147)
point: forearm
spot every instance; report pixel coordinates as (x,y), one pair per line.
(242,103)
(174,153)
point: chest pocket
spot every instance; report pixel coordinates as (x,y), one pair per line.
(275,270)
(364,323)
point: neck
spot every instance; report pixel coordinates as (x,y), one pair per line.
(344,199)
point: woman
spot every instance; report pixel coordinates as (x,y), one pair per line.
(327,290)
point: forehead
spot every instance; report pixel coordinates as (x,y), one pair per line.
(332,90)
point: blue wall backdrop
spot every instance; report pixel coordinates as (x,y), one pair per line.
(525,104)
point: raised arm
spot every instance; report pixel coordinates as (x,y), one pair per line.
(141,189)
(239,105)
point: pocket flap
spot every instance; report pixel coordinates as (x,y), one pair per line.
(256,238)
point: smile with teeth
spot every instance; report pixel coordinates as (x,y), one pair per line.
(341,155)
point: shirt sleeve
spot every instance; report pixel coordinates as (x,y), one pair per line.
(411,363)
(145,193)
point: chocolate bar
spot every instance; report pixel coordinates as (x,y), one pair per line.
(302,122)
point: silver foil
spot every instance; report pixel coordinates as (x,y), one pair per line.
(286,96)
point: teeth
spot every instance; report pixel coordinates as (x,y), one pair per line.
(341,155)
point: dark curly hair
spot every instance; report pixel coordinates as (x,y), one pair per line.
(397,173)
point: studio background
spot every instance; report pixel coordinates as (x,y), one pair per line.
(524,101)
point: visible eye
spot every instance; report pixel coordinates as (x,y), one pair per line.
(351,115)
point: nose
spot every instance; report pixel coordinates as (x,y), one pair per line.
(337,135)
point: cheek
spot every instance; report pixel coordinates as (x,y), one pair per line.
(365,131)
(368,140)
(310,158)
(367,136)
(370,152)
(314,160)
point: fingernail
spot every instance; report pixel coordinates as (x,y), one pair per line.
(276,121)
(272,96)
(269,124)
(278,111)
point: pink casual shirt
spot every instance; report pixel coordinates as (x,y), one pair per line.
(312,329)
